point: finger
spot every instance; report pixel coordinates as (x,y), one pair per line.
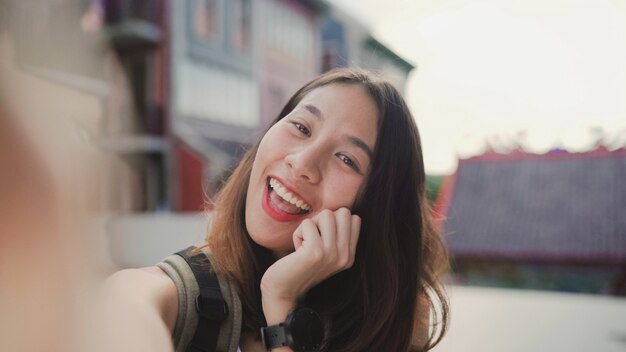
(307,234)
(343,218)
(328,231)
(298,237)
(355,231)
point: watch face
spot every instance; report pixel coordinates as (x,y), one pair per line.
(306,330)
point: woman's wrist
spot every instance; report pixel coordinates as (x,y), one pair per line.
(276,302)
(276,308)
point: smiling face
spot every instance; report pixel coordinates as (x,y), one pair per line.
(315,158)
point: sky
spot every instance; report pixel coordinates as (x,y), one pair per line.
(541,74)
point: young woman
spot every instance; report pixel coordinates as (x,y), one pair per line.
(327,211)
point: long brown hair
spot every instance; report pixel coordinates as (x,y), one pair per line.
(374,304)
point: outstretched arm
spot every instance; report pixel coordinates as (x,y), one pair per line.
(136,312)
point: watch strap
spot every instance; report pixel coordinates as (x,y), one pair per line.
(274,336)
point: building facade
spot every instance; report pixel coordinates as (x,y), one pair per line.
(348,43)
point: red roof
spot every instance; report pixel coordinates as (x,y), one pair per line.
(557,206)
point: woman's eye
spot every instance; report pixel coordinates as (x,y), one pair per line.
(302,128)
(346,160)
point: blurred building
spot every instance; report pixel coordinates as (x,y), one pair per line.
(555,221)
(347,42)
(214,97)
(135,129)
(289,51)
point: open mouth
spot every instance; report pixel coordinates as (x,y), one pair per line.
(284,200)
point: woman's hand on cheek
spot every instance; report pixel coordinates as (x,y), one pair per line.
(325,245)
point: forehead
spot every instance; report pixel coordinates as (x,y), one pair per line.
(346,107)
(353,96)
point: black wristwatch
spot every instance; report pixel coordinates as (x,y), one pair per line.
(302,332)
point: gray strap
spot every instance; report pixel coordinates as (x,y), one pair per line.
(187,320)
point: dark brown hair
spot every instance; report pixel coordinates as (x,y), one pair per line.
(386,298)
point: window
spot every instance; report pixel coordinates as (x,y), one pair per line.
(241,25)
(221,32)
(207,15)
(289,31)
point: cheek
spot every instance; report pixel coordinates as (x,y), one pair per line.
(343,193)
(264,152)
(271,144)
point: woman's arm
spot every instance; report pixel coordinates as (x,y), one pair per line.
(141,307)
(150,288)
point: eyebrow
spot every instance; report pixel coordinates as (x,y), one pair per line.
(362,145)
(314,110)
(354,140)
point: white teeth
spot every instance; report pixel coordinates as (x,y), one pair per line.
(288,196)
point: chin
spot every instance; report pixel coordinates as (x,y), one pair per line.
(272,243)
(276,237)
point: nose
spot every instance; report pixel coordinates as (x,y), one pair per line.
(305,163)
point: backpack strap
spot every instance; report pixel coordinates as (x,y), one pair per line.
(210,304)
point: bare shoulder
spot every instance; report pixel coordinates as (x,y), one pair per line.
(148,286)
